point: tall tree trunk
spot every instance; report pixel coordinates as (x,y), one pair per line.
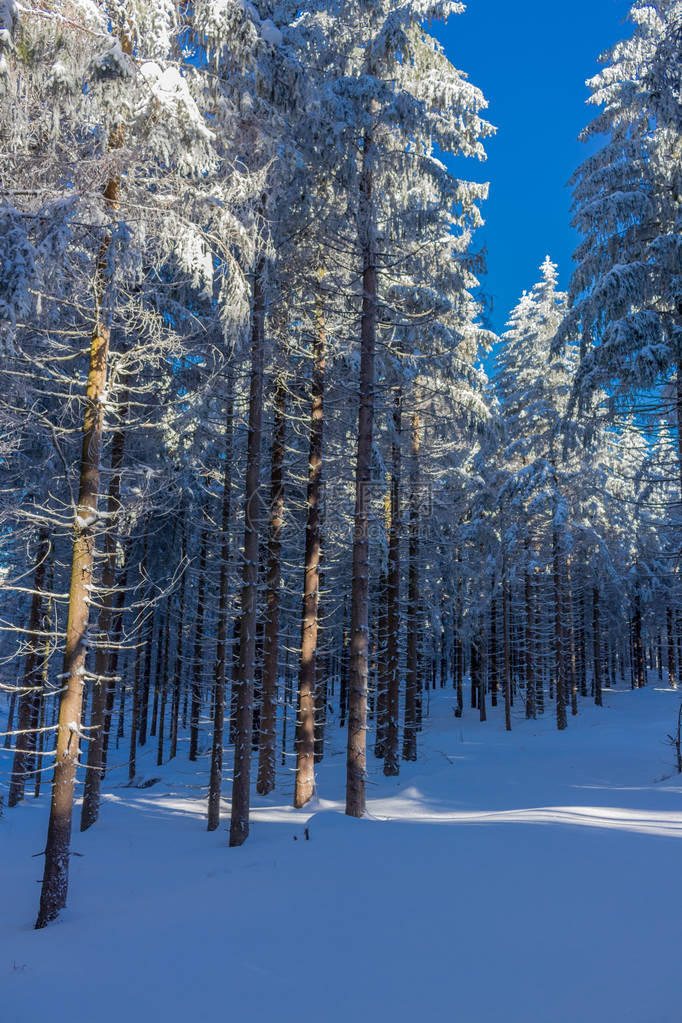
(391,739)
(356,756)
(114,656)
(596,648)
(58,845)
(241,795)
(412,666)
(177,673)
(494,655)
(506,661)
(163,685)
(102,684)
(570,609)
(637,649)
(30,696)
(477,674)
(216,776)
(268,726)
(197,673)
(559,634)
(672,673)
(305,718)
(531,706)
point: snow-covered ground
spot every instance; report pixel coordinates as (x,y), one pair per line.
(531,876)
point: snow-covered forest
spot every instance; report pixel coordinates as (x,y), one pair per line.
(283,518)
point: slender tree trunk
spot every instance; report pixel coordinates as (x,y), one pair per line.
(177,673)
(305,719)
(382,648)
(571,641)
(494,655)
(112,668)
(102,684)
(195,707)
(559,634)
(638,652)
(507,657)
(216,776)
(356,757)
(672,673)
(596,646)
(531,706)
(143,713)
(268,726)
(241,796)
(391,738)
(477,674)
(412,666)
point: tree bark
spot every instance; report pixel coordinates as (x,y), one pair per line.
(216,777)
(391,739)
(93,775)
(241,795)
(559,641)
(356,757)
(305,718)
(265,782)
(412,666)
(197,673)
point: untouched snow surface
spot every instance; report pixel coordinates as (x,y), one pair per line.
(525,877)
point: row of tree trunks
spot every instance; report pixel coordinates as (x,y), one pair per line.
(30,697)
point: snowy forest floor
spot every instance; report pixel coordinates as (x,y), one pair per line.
(531,876)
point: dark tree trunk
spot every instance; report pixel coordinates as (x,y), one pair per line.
(559,637)
(391,738)
(356,755)
(216,777)
(177,673)
(412,666)
(103,684)
(197,672)
(241,784)
(596,649)
(268,738)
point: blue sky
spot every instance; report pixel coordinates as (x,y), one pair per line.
(531,59)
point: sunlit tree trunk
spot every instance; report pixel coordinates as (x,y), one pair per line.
(58,844)
(305,718)
(102,684)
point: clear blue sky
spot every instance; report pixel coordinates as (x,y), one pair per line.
(531,59)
